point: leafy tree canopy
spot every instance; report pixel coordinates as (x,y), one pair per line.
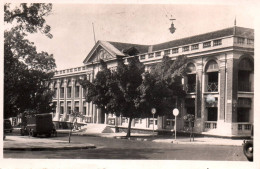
(163,85)
(26,71)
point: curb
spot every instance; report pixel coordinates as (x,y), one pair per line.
(47,148)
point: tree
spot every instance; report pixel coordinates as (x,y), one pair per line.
(126,94)
(163,85)
(117,92)
(97,91)
(26,71)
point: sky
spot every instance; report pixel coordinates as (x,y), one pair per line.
(72,25)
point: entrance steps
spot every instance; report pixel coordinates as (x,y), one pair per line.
(96,128)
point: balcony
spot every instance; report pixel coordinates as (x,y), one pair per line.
(242,128)
(191,88)
(244,86)
(210,125)
(212,87)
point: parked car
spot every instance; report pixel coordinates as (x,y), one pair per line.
(248,146)
(38,124)
(8,126)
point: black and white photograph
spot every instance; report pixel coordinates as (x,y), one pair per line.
(131,84)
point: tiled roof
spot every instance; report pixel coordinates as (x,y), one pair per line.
(124,46)
(237,31)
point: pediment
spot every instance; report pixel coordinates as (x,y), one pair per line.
(102,50)
(100,53)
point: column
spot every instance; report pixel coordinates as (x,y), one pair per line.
(80,100)
(73,93)
(65,99)
(199,103)
(57,117)
(222,88)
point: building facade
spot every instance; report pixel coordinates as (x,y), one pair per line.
(219,82)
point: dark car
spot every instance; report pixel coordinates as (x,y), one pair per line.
(38,124)
(248,146)
(8,126)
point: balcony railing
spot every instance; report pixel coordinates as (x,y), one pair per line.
(212,86)
(191,88)
(244,86)
(210,125)
(244,126)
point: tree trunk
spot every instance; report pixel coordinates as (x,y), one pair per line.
(129,128)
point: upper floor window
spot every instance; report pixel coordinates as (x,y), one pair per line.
(69,92)
(217,42)
(62,92)
(55,93)
(240,40)
(150,55)
(250,41)
(194,47)
(77,91)
(142,57)
(185,48)
(175,50)
(167,52)
(207,44)
(158,54)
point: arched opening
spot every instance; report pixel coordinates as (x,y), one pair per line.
(245,75)
(211,76)
(191,78)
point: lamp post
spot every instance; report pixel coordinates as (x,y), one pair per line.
(153,112)
(175,113)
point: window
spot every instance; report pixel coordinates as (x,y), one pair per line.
(175,50)
(158,54)
(150,55)
(142,57)
(167,52)
(76,106)
(212,113)
(84,108)
(62,92)
(185,48)
(68,107)
(61,107)
(206,44)
(212,82)
(217,42)
(55,93)
(77,91)
(250,41)
(54,107)
(243,114)
(240,40)
(194,47)
(191,85)
(69,92)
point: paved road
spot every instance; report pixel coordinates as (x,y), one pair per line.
(110,148)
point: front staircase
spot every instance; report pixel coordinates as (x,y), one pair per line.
(92,128)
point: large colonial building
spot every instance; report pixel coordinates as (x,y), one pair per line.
(219,84)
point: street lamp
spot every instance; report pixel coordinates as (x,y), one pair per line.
(153,112)
(175,113)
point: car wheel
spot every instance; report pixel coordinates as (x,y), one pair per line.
(248,150)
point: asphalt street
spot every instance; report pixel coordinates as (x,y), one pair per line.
(111,148)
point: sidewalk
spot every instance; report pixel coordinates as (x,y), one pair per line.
(168,139)
(23,143)
(35,143)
